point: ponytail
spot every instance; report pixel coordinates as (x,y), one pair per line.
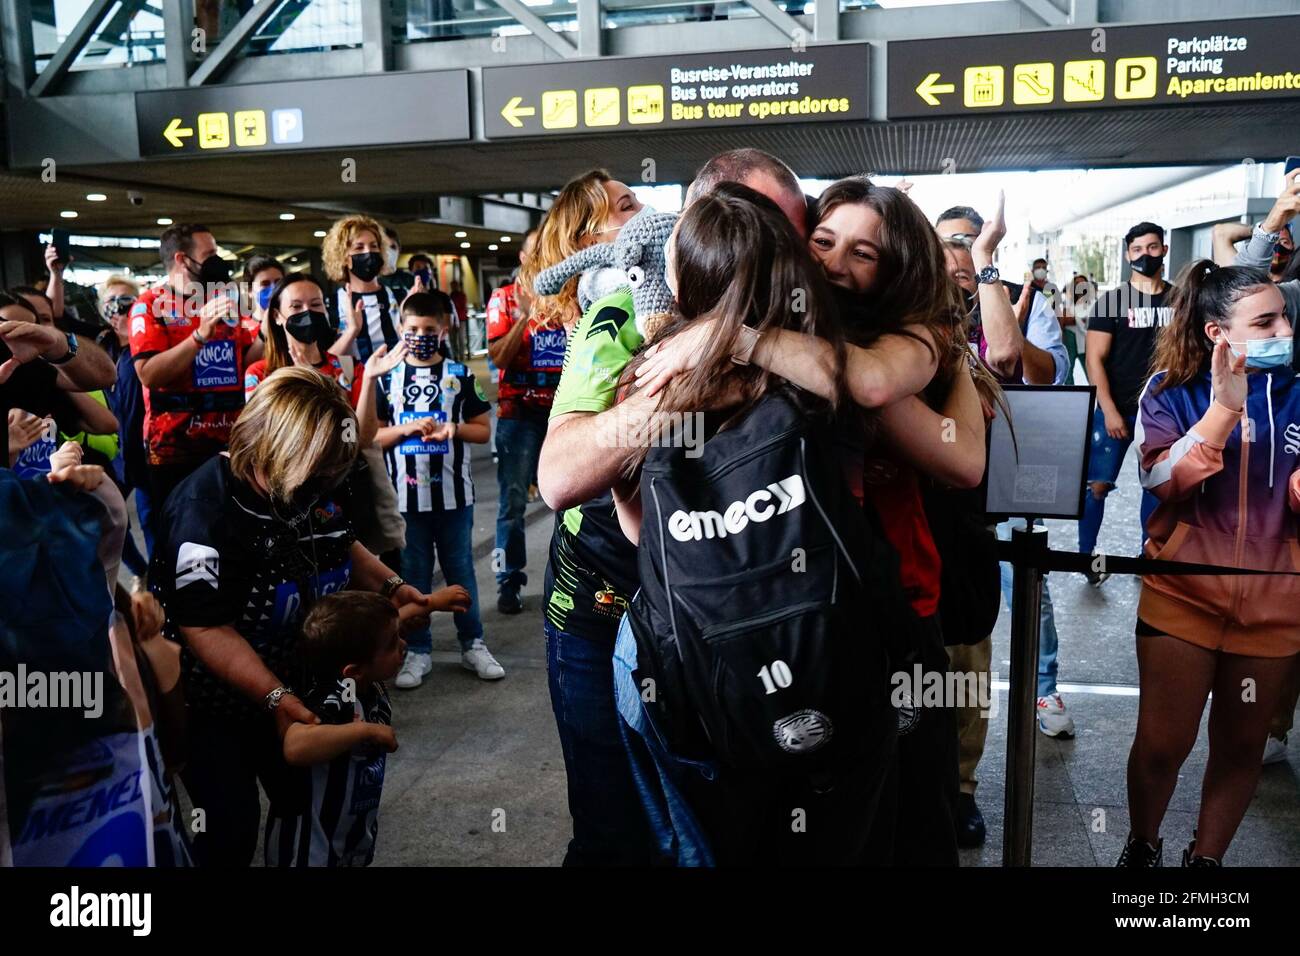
(1204,292)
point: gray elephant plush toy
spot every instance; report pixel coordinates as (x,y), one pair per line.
(634,261)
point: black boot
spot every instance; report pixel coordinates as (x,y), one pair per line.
(1139,855)
(970,822)
(509,601)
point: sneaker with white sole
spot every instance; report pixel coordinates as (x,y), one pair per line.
(1053,720)
(480,660)
(414,667)
(1275,750)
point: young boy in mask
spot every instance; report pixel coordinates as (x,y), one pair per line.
(435,409)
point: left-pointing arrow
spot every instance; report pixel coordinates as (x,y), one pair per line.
(512,111)
(175,132)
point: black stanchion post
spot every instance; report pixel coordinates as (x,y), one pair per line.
(1022,718)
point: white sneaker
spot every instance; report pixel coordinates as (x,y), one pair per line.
(413,670)
(1275,750)
(1052,717)
(480,660)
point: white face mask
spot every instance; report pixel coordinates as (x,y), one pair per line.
(391,257)
(1040,274)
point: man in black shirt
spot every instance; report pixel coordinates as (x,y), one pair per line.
(1122,330)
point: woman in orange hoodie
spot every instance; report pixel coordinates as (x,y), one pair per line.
(1219,431)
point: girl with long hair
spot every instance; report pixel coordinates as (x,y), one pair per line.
(1215,427)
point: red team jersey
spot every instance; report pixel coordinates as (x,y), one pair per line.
(527,387)
(188,422)
(330,368)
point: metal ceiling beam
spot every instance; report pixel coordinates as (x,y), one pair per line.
(1045,10)
(72,45)
(217,60)
(16,43)
(178,56)
(826,20)
(769,11)
(590,27)
(538,28)
(377,37)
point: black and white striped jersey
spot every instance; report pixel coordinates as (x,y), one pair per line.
(429,475)
(328,814)
(383,324)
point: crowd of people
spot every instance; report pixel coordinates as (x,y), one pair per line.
(724,619)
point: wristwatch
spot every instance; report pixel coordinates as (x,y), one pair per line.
(272,700)
(748,339)
(68,356)
(988,275)
(389,587)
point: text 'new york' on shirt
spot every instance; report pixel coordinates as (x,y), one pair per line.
(432,475)
(1134,320)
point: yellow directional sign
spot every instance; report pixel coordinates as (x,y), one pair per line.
(930,86)
(176,132)
(512,111)
(250,128)
(1085,81)
(1135,77)
(645,104)
(982,86)
(1033,83)
(214,131)
(560,109)
(601,106)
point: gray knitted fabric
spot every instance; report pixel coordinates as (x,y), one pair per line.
(633,261)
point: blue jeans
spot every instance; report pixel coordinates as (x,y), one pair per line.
(1105,459)
(519,444)
(609,827)
(1047,640)
(444,535)
(659,775)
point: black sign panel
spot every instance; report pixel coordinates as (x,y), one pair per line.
(740,88)
(379,110)
(1158,65)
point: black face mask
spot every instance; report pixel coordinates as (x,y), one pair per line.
(211,270)
(1147,265)
(366,265)
(308,327)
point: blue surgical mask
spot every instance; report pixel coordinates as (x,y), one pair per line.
(264,297)
(1266,353)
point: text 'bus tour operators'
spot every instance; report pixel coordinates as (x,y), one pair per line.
(633,93)
(1156,65)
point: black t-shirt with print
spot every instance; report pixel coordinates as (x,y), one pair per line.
(1134,320)
(229,558)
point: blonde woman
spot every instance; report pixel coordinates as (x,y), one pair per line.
(250,541)
(354,256)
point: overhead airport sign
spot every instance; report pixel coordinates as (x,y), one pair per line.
(746,88)
(379,110)
(1158,65)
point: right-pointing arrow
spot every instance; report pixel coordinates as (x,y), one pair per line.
(928,87)
(512,111)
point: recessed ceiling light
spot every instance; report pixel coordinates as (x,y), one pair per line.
(460,234)
(288,216)
(164,221)
(320,233)
(505,238)
(464,245)
(492,248)
(68,214)
(96,197)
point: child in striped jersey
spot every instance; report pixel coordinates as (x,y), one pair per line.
(435,412)
(327,812)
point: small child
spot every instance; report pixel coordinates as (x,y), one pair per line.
(327,813)
(434,409)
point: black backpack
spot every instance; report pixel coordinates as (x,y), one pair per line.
(768,600)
